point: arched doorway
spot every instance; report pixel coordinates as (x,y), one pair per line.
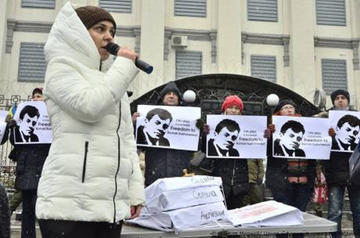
(211,89)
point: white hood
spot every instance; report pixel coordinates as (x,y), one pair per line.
(70,38)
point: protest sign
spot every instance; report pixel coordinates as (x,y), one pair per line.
(3,115)
(347,127)
(178,183)
(301,138)
(169,200)
(33,124)
(168,127)
(269,213)
(236,137)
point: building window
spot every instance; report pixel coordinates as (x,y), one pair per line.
(333,74)
(188,64)
(50,4)
(263,67)
(120,6)
(262,10)
(331,13)
(190,8)
(32,63)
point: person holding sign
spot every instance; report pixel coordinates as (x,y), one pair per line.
(234,172)
(336,169)
(29,160)
(91,180)
(162,162)
(4,214)
(290,180)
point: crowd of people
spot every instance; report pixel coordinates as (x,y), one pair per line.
(89,180)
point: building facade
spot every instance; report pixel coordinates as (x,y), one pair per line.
(299,44)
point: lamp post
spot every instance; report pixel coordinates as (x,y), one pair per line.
(189,96)
(272,100)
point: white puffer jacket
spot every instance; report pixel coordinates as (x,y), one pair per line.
(92,172)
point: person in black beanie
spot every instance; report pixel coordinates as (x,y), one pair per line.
(336,171)
(165,162)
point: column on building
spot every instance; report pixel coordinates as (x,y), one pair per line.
(229,36)
(3,27)
(302,51)
(152,44)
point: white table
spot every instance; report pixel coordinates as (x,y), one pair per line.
(312,224)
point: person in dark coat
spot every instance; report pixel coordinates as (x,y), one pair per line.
(166,162)
(30,159)
(233,172)
(4,214)
(337,173)
(290,180)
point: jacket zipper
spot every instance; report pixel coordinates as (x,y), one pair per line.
(118,165)
(84,164)
(233,174)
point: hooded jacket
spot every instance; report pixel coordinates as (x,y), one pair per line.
(92,171)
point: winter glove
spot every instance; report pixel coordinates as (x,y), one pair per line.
(206,130)
(200,124)
(11,123)
(332,132)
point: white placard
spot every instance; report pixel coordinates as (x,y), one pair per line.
(169,127)
(347,127)
(236,137)
(178,183)
(33,123)
(169,200)
(183,219)
(3,115)
(269,213)
(301,138)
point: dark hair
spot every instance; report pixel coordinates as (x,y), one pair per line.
(229,124)
(162,113)
(352,120)
(30,110)
(36,90)
(294,125)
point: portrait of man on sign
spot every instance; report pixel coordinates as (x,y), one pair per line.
(153,131)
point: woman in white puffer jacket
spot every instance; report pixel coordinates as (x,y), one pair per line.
(91,179)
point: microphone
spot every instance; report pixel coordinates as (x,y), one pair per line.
(113,48)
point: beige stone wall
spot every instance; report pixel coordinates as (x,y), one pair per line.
(153,20)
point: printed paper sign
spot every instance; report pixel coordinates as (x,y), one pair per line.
(3,115)
(301,138)
(347,126)
(236,137)
(169,127)
(33,124)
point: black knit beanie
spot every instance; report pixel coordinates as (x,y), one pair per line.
(170,87)
(90,15)
(339,92)
(284,102)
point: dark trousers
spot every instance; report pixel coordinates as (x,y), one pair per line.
(79,229)
(28,214)
(296,195)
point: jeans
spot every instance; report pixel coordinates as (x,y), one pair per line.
(296,195)
(336,198)
(28,214)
